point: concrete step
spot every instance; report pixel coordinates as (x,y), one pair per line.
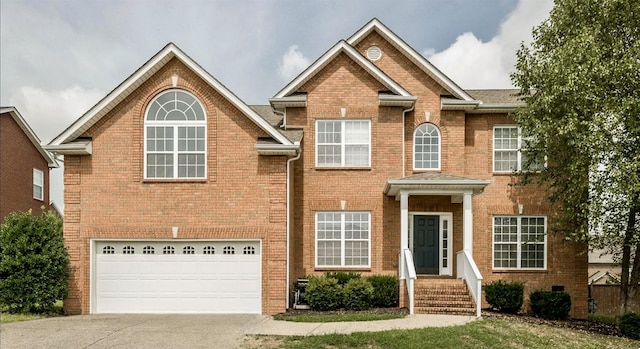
(445,310)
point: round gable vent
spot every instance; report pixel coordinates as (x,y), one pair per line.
(374,53)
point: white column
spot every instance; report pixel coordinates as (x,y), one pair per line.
(404,230)
(467,221)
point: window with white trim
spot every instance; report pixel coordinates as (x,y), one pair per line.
(343,239)
(508,156)
(519,242)
(343,143)
(426,147)
(38,184)
(175,129)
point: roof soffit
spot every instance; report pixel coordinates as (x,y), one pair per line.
(411,54)
(141,75)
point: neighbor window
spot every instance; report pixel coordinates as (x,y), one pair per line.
(343,143)
(507,150)
(38,184)
(519,242)
(175,136)
(426,147)
(343,239)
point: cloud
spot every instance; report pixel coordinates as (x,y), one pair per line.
(49,112)
(292,63)
(472,63)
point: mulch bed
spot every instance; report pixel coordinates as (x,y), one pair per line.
(574,324)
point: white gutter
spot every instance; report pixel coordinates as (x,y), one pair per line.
(277,149)
(289,219)
(83,147)
(404,112)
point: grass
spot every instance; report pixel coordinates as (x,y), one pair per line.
(607,319)
(485,333)
(337,317)
(6,317)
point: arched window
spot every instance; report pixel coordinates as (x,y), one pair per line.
(168,250)
(108,250)
(249,250)
(228,250)
(188,250)
(175,130)
(426,147)
(208,250)
(148,250)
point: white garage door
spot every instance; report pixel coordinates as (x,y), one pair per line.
(177,277)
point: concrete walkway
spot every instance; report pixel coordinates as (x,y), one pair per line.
(185,331)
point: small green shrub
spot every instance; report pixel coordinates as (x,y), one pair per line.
(357,294)
(505,297)
(553,305)
(33,262)
(630,325)
(342,276)
(385,291)
(324,293)
(604,318)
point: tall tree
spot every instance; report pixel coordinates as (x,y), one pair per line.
(580,79)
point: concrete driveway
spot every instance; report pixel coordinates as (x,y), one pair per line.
(131,331)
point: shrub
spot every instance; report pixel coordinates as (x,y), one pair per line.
(630,325)
(33,262)
(357,294)
(342,276)
(324,293)
(505,297)
(554,305)
(385,290)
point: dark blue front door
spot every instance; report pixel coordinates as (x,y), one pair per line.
(426,245)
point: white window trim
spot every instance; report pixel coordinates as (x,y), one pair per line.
(342,242)
(343,144)
(41,185)
(518,151)
(439,149)
(518,243)
(175,124)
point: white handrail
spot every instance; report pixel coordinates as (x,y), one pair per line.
(409,270)
(468,270)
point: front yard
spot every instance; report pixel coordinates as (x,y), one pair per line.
(485,333)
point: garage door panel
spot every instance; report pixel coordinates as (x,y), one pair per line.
(205,281)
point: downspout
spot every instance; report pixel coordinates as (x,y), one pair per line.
(404,112)
(289,218)
(284,117)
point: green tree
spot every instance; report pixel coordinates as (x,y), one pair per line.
(580,79)
(33,262)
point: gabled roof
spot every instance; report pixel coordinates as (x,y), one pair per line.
(411,54)
(341,47)
(434,182)
(141,75)
(51,161)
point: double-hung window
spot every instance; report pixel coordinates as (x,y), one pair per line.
(38,184)
(508,156)
(519,242)
(343,239)
(175,137)
(343,143)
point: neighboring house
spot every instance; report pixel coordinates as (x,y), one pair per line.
(180,198)
(24,166)
(603,270)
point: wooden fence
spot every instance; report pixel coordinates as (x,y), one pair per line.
(607,299)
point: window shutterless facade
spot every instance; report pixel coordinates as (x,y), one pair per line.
(519,242)
(343,143)
(426,147)
(38,184)
(343,239)
(507,150)
(175,131)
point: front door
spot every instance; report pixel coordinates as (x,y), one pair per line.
(426,245)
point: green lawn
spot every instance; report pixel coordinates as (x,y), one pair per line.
(6,317)
(485,333)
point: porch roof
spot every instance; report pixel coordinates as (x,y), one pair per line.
(430,183)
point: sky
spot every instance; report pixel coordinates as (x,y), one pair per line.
(60,57)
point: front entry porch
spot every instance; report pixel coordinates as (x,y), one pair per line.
(426,236)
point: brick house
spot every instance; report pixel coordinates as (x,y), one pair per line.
(24,166)
(181,198)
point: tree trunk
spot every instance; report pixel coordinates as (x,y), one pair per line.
(630,278)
